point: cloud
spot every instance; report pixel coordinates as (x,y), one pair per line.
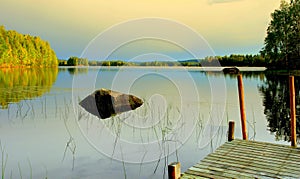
(221,1)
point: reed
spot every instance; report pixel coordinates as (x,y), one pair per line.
(30,167)
(4,158)
(70,144)
(20,170)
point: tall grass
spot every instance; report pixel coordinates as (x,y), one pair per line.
(20,170)
(4,157)
(160,132)
(21,111)
(70,144)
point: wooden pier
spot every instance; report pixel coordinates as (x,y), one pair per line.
(248,159)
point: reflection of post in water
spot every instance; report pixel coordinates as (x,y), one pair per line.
(246,74)
(18,84)
(276,100)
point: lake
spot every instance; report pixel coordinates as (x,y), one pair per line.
(44,133)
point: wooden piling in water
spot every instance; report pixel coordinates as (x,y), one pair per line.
(231,131)
(242,106)
(293,112)
(174,170)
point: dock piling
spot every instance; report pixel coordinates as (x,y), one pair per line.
(231,131)
(293,111)
(242,106)
(174,170)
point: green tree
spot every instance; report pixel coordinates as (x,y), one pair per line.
(282,43)
(83,62)
(72,61)
(24,50)
(75,61)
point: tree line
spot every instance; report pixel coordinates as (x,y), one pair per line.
(235,60)
(74,61)
(18,50)
(232,60)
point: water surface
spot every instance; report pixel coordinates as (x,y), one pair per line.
(45,133)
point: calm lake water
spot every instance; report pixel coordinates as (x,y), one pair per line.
(45,133)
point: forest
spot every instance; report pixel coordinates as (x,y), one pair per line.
(74,61)
(18,50)
(231,60)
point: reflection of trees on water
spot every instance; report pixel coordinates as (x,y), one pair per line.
(245,74)
(24,83)
(76,71)
(275,93)
(253,74)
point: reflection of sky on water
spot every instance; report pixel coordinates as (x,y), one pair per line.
(41,136)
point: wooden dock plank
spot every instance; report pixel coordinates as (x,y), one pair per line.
(189,176)
(267,148)
(275,171)
(254,145)
(268,159)
(235,169)
(227,172)
(248,159)
(261,152)
(258,159)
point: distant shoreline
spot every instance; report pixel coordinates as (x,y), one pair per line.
(169,67)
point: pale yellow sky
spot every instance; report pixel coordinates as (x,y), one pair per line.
(229,26)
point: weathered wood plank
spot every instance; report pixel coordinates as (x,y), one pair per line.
(279,152)
(190,176)
(274,158)
(257,145)
(268,160)
(265,147)
(221,171)
(264,152)
(230,148)
(253,160)
(205,173)
(236,169)
(263,144)
(248,159)
(250,165)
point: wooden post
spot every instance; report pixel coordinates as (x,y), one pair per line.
(293,112)
(231,131)
(174,170)
(242,107)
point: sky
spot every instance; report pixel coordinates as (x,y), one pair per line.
(228,26)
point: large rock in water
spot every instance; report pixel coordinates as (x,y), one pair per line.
(105,103)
